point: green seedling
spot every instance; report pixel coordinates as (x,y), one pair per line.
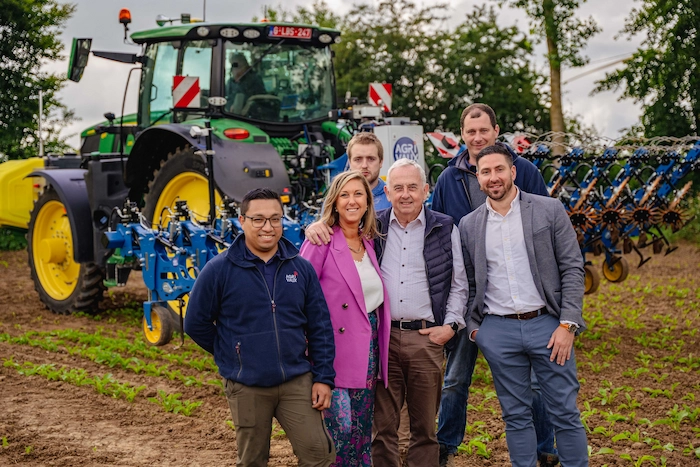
(172,403)
(641,460)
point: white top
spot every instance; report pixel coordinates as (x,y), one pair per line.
(509,284)
(371,283)
(405,277)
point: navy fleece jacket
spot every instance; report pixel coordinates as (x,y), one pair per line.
(262,337)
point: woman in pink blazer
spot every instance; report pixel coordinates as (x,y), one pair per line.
(352,284)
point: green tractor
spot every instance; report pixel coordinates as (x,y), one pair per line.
(265,89)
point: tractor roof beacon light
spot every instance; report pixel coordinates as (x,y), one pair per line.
(125,19)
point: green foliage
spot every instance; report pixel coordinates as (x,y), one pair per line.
(555,21)
(435,72)
(30,37)
(662,73)
(11,239)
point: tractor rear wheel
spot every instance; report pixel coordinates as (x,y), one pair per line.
(618,272)
(64,286)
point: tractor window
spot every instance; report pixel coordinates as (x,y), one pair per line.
(278,83)
(164,60)
(196,61)
(157,82)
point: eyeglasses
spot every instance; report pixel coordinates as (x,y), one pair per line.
(259,222)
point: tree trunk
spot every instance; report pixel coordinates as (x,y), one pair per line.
(556,113)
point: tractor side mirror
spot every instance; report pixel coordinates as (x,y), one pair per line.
(79,54)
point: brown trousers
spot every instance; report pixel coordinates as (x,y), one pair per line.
(252,409)
(415,375)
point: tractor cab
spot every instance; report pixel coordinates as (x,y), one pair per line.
(268,74)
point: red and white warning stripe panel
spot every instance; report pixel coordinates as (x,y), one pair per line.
(186,92)
(380,95)
(446,143)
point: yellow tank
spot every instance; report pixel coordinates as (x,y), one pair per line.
(17,193)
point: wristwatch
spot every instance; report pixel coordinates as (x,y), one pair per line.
(571,327)
(455,327)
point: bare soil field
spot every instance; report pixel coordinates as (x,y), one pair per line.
(87,390)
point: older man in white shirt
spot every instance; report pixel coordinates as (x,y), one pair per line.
(422,266)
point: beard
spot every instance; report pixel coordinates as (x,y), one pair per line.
(499,192)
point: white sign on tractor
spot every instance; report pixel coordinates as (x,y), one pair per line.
(186,92)
(380,95)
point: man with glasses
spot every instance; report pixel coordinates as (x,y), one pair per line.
(259,309)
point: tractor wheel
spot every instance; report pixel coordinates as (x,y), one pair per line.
(181,177)
(619,271)
(63,285)
(162,326)
(591,279)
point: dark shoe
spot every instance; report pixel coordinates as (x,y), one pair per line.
(549,460)
(446,459)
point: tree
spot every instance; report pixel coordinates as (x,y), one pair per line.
(393,43)
(436,73)
(29,36)
(663,74)
(481,62)
(565,35)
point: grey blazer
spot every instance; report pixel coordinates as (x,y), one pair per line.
(556,262)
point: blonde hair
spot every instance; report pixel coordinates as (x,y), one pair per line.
(330,217)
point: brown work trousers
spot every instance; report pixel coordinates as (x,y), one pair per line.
(252,409)
(415,375)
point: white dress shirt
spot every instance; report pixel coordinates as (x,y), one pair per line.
(509,284)
(405,276)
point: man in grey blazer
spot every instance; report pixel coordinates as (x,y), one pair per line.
(526,276)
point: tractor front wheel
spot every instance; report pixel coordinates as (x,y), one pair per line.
(64,286)
(181,177)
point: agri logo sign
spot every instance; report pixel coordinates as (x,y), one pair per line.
(406,148)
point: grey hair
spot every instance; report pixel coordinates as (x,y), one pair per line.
(403,162)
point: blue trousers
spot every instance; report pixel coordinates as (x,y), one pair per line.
(452,420)
(514,348)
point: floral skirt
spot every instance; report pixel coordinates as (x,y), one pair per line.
(349,419)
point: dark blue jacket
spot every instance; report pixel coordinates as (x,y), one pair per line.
(437,252)
(259,336)
(457,191)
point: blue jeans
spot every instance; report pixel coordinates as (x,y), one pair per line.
(452,420)
(514,349)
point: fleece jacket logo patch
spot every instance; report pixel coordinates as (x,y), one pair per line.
(292,277)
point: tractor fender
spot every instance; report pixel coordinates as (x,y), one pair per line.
(72,190)
(238,166)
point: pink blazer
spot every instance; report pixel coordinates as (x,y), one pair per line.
(351,327)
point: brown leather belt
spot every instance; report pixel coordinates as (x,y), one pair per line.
(528,315)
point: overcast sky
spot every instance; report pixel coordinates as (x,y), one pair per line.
(102,86)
